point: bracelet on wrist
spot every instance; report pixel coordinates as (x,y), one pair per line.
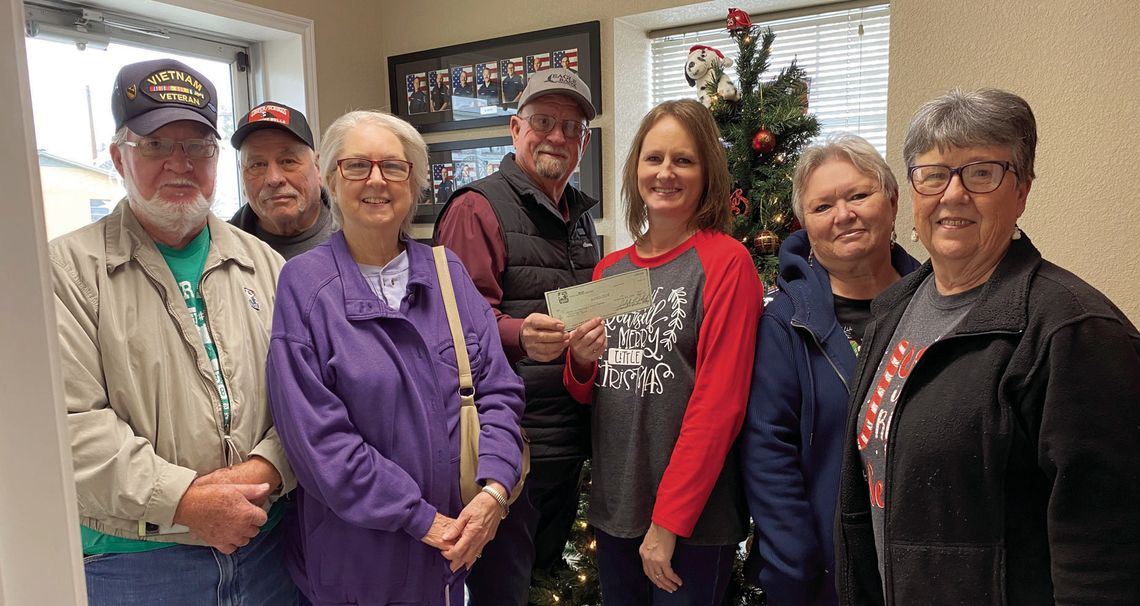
(500,498)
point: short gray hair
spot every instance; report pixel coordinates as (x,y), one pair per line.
(980,118)
(848,148)
(415,150)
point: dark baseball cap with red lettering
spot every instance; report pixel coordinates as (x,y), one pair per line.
(152,94)
(272,114)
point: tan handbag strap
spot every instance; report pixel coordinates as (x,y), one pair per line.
(466,387)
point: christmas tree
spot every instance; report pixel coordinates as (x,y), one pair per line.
(576,581)
(763,132)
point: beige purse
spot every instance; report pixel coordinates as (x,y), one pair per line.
(468,415)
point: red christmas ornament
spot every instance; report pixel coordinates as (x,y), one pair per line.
(738,20)
(764,141)
(738,203)
(766,242)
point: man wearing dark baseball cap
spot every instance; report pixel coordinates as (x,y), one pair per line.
(178,470)
(520,232)
(286,206)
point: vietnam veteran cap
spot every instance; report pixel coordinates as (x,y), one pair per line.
(559,80)
(273,115)
(152,94)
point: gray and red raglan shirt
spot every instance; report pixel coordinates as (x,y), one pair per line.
(670,393)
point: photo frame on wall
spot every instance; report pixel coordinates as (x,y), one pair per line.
(478,84)
(457,163)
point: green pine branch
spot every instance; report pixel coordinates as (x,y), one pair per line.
(777,105)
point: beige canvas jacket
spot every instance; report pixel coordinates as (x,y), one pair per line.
(143,409)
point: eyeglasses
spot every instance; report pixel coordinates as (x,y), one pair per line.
(197,149)
(359,169)
(977,177)
(544,123)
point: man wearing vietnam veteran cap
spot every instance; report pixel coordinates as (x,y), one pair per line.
(164,314)
(521,232)
(286,205)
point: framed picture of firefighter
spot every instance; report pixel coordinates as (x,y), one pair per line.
(479,83)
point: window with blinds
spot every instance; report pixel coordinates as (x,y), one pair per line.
(844,53)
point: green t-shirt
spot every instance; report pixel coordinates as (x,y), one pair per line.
(186,264)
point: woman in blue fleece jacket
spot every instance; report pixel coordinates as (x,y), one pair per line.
(846,198)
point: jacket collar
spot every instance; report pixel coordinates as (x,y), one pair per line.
(808,284)
(360,303)
(1002,305)
(577,203)
(126,240)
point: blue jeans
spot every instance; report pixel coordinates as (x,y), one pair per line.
(704,571)
(189,575)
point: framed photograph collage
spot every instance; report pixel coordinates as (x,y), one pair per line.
(478,84)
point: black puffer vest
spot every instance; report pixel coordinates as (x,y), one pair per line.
(543,252)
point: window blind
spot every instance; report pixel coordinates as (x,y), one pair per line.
(844,53)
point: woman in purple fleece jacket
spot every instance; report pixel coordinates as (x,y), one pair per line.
(363,384)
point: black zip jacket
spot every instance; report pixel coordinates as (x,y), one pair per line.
(1013,460)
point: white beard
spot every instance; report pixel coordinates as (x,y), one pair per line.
(173,219)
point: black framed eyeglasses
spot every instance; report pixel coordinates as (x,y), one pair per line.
(977,177)
(359,169)
(544,123)
(150,147)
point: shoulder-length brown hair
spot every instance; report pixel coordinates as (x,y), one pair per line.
(713,210)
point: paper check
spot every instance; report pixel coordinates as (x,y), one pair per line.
(611,296)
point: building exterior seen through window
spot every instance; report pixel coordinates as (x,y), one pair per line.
(71,103)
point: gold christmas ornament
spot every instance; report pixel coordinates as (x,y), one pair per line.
(766,242)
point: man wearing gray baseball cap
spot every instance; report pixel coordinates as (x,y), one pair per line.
(521,232)
(164,313)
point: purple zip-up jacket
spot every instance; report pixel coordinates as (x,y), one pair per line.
(365,399)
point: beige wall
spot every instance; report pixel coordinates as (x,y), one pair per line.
(1074,62)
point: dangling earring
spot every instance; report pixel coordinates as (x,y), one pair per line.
(894,236)
(1016,232)
(914,234)
(811,257)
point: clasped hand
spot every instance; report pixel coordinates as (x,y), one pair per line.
(223,508)
(461,539)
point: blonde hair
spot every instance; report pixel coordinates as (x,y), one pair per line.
(849,148)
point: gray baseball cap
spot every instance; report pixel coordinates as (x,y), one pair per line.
(559,81)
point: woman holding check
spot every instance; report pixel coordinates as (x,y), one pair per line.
(666,498)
